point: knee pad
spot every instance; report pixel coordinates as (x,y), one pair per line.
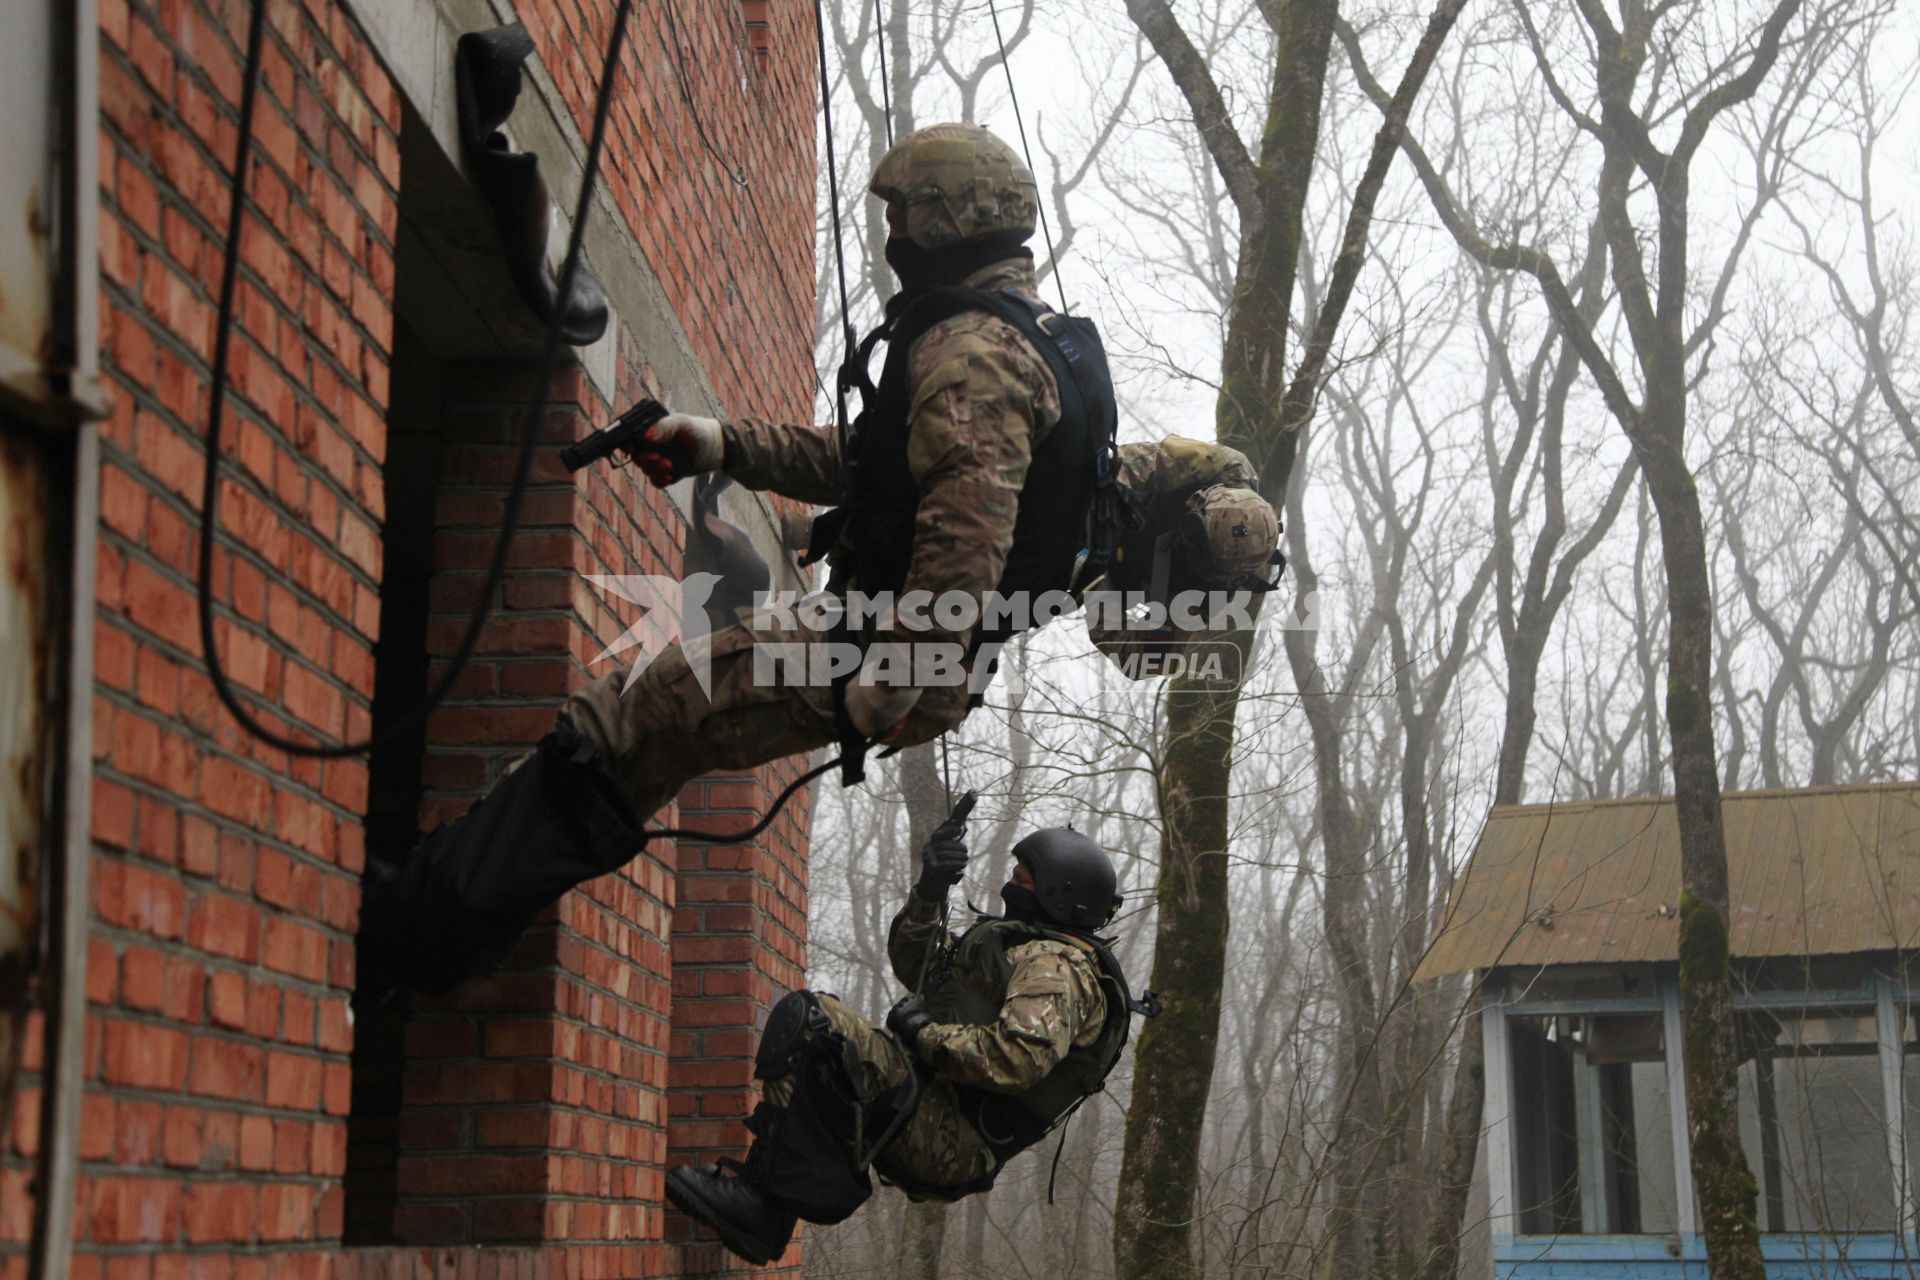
(795,1023)
(808,1155)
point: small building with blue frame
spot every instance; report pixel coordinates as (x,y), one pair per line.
(1569,916)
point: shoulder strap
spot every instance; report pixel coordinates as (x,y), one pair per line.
(1147,1003)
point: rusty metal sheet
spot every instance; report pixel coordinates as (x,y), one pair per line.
(1817,871)
(28,262)
(24,655)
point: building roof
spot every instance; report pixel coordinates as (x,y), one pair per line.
(1816,871)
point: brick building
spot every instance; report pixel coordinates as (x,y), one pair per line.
(187,1091)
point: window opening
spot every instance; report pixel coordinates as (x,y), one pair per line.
(1812,1119)
(1592,1138)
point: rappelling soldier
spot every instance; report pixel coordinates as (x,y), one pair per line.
(983,461)
(1201,533)
(1009,1027)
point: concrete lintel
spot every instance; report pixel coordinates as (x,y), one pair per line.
(416,40)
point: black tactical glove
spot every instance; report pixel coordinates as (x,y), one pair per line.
(906,1019)
(943,859)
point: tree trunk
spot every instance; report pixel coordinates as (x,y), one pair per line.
(1174,1060)
(1173,1063)
(1724,1184)
(1453,1177)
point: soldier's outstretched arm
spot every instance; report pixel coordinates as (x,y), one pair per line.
(1179,462)
(915,929)
(1052,998)
(800,462)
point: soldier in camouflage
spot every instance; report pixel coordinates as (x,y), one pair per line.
(979,400)
(1008,1027)
(964,405)
(1205,529)
(974,408)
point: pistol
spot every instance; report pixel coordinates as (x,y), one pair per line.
(629,432)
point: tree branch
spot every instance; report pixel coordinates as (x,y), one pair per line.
(1738,89)
(1504,257)
(1297,405)
(1195,82)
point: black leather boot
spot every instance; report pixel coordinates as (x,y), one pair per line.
(747,1223)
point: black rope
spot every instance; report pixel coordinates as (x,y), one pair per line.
(833,199)
(1013,93)
(735,171)
(742,837)
(880,41)
(946,770)
(223,337)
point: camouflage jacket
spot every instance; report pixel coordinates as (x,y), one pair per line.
(982,398)
(1053,1003)
(1148,470)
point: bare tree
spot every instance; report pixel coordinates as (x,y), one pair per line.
(1664,341)
(1261,412)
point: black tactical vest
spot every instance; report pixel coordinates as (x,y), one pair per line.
(872,531)
(971,992)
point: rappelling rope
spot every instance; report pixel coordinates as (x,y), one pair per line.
(946,771)
(223,337)
(697,836)
(1014,94)
(886,92)
(839,253)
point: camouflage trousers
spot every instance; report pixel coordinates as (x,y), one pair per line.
(938,1147)
(666,729)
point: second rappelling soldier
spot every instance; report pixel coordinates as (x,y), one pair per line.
(1009,1027)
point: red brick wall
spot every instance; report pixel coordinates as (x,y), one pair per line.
(737,262)
(225,881)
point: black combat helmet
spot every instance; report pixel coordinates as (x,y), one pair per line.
(1073,878)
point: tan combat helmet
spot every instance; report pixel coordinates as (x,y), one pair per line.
(1234,531)
(957,181)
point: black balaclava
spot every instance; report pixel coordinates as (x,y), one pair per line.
(1022,903)
(921,269)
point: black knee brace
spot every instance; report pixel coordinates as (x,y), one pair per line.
(794,1024)
(806,1155)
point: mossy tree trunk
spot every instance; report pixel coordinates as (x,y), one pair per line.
(1262,413)
(1174,1054)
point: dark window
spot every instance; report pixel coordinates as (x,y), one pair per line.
(412,474)
(1592,1135)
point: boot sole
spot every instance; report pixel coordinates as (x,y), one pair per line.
(685,1193)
